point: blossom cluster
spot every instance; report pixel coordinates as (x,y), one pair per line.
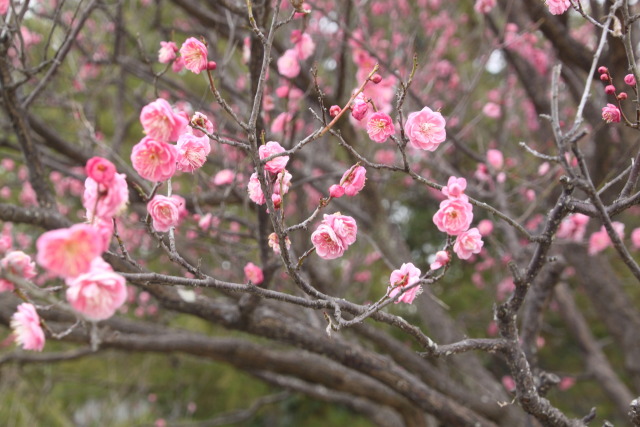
(334,235)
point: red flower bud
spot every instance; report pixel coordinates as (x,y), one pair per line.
(376,78)
(211,65)
(603,70)
(610,89)
(604,77)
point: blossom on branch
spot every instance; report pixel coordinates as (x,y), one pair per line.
(194,55)
(68,252)
(611,114)
(154,160)
(161,123)
(425,129)
(25,323)
(165,212)
(406,276)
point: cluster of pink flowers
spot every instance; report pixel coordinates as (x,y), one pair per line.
(277,164)
(425,129)
(279,187)
(405,277)
(454,218)
(274,243)
(334,235)
(351,183)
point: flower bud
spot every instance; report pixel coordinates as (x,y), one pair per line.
(334,110)
(610,89)
(604,77)
(622,96)
(376,78)
(211,65)
(630,79)
(603,70)
(336,191)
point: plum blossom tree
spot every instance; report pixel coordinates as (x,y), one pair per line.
(180,186)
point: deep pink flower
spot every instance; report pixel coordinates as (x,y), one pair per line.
(442,259)
(336,191)
(255,191)
(353,180)
(25,323)
(558,7)
(161,123)
(468,243)
(100,170)
(344,226)
(194,55)
(192,152)
(380,127)
(167,52)
(154,160)
(68,252)
(164,211)
(359,108)
(611,114)
(105,200)
(455,188)
(426,129)
(253,273)
(454,216)
(328,245)
(18,264)
(630,79)
(288,65)
(278,164)
(407,275)
(201,120)
(97,294)
(334,110)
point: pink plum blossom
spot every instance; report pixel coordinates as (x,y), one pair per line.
(455,188)
(442,259)
(454,216)
(611,114)
(18,264)
(25,323)
(255,191)
(154,160)
(105,200)
(68,252)
(160,122)
(304,44)
(573,227)
(426,129)
(288,65)
(485,227)
(353,180)
(380,127)
(194,55)
(328,245)
(278,164)
(100,170)
(492,110)
(630,79)
(224,177)
(336,191)
(274,243)
(165,212)
(495,158)
(97,294)
(600,240)
(192,152)
(360,107)
(167,52)
(344,226)
(253,273)
(468,243)
(558,7)
(201,120)
(406,276)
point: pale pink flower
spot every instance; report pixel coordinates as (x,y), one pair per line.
(68,252)
(304,44)
(288,65)
(282,183)
(611,114)
(192,152)
(573,227)
(485,227)
(201,120)
(495,158)
(344,226)
(600,240)
(280,123)
(278,164)
(558,7)
(406,276)
(492,110)
(224,177)
(455,188)
(468,243)
(194,55)
(484,6)
(442,259)
(426,129)
(164,211)
(353,180)
(274,243)
(454,216)
(359,108)
(635,238)
(328,245)
(380,127)
(105,200)
(18,264)
(253,273)
(255,191)
(100,170)
(97,294)
(167,52)
(154,160)
(160,122)
(25,323)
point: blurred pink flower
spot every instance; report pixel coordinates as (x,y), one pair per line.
(304,44)
(18,264)
(253,273)
(274,243)
(25,323)
(97,294)
(455,188)
(288,65)
(359,108)
(68,252)
(558,7)
(442,259)
(495,158)
(105,200)
(100,170)
(167,52)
